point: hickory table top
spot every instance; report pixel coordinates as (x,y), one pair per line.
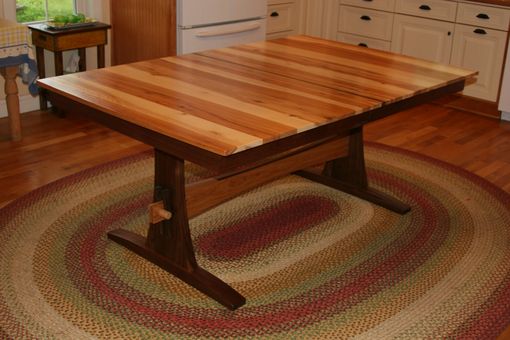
(232,99)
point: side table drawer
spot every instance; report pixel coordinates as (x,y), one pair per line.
(69,41)
(83,39)
(366,22)
(484,16)
(43,40)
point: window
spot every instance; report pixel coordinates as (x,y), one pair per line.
(43,10)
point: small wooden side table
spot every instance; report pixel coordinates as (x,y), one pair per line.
(15,49)
(58,41)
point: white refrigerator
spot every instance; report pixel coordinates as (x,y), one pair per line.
(208,24)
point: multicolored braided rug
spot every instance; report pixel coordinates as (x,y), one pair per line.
(311,261)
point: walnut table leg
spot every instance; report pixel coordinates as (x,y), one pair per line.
(348,174)
(168,243)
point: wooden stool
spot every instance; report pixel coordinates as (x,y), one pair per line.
(58,41)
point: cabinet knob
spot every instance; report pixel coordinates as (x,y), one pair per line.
(275,14)
(366,18)
(483,16)
(480,31)
(425,8)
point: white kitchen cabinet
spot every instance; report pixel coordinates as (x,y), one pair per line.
(282,18)
(320,18)
(366,23)
(422,38)
(483,16)
(431,9)
(479,44)
(363,41)
(445,31)
(382,5)
(424,29)
(480,49)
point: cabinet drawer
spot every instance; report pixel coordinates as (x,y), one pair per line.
(279,2)
(363,41)
(69,41)
(366,22)
(433,9)
(383,5)
(483,16)
(281,18)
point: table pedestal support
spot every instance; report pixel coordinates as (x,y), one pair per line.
(348,174)
(168,243)
(11,97)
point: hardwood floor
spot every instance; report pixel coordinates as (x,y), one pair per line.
(478,144)
(54,147)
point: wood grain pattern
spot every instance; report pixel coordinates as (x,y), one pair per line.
(173,106)
(229,100)
(203,195)
(142,29)
(53,148)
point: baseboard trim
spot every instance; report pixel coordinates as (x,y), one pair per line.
(27,103)
(471,104)
(505,116)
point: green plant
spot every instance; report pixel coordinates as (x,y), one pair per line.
(35,10)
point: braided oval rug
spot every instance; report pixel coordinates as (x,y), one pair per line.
(312,262)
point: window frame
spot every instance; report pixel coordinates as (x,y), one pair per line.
(10,8)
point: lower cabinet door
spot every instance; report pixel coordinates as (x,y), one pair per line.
(483,50)
(422,38)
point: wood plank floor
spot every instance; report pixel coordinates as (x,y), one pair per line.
(54,147)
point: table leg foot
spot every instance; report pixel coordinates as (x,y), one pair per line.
(368,194)
(348,174)
(196,277)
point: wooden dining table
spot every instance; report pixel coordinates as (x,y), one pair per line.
(250,114)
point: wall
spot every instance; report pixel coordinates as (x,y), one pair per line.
(504,101)
(98,9)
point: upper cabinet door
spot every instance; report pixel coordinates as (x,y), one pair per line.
(423,38)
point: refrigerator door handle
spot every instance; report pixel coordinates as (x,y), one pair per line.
(229,30)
